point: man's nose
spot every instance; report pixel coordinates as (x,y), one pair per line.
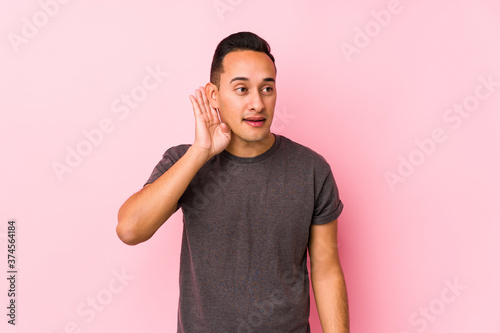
(256,103)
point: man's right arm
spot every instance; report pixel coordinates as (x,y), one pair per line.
(145,211)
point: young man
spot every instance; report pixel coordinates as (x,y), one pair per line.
(253,203)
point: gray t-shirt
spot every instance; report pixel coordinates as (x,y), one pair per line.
(245,236)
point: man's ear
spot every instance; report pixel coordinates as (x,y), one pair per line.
(212,93)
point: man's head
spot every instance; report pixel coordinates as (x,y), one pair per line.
(239,41)
(243,88)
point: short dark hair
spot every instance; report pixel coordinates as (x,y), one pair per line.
(236,42)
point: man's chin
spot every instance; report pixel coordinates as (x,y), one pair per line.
(255,137)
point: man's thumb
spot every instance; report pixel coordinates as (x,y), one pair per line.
(224,128)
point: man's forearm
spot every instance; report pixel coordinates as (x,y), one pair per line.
(331,301)
(145,211)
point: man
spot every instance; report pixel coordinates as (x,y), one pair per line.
(253,203)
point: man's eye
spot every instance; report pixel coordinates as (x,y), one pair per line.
(241,89)
(268,89)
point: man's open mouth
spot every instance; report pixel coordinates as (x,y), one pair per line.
(255,121)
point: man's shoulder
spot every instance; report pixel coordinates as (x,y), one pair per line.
(301,151)
(176,152)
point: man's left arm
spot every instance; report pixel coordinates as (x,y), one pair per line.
(327,278)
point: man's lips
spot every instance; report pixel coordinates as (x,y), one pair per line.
(255,121)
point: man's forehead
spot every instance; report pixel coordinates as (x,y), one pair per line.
(247,63)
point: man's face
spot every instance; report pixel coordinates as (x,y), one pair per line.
(247,95)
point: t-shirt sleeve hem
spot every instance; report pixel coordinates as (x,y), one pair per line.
(329,218)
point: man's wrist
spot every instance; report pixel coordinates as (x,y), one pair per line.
(201,155)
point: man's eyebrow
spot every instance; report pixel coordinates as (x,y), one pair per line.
(242,78)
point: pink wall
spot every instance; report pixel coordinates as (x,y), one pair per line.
(401,97)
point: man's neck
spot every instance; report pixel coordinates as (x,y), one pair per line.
(242,148)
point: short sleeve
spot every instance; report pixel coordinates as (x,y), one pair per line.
(327,205)
(170,157)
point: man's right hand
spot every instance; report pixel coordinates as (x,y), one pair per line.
(211,135)
(145,211)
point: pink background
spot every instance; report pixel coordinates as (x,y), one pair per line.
(361,92)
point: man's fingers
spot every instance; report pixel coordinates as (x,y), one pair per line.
(196,108)
(201,106)
(205,99)
(212,113)
(199,99)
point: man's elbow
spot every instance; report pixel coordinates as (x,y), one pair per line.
(128,232)
(127,236)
